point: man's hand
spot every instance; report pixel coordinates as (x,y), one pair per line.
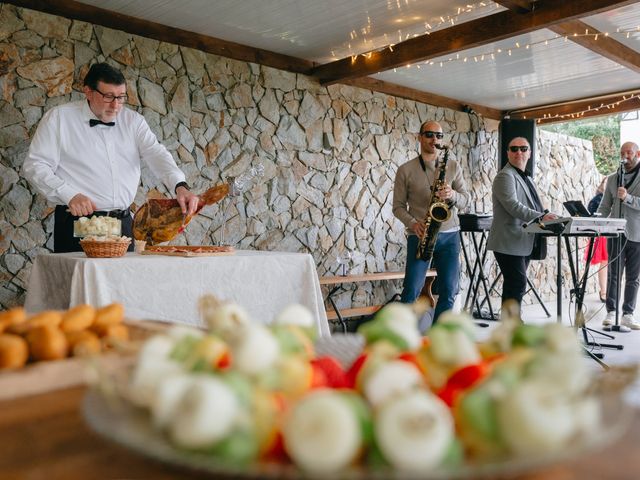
(187,200)
(418,228)
(81,206)
(622,193)
(445,193)
(549,216)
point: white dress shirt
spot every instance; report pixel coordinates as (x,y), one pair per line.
(67,157)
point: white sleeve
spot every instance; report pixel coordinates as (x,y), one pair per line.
(42,161)
(156,156)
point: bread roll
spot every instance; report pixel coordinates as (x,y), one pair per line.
(78,318)
(47,343)
(109,315)
(114,334)
(48,318)
(14,351)
(13,316)
(82,343)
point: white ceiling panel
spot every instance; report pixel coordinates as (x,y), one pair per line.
(540,74)
(622,24)
(317,30)
(327,30)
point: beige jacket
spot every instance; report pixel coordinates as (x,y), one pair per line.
(412,192)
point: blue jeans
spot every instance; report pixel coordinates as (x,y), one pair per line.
(446,261)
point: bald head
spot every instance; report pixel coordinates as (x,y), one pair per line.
(629,155)
(430,136)
(430,126)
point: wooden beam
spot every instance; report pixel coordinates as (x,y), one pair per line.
(605,46)
(581,108)
(381,86)
(463,36)
(520,6)
(622,108)
(99,16)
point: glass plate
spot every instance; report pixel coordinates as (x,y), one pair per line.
(114,418)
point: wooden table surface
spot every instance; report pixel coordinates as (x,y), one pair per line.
(45,437)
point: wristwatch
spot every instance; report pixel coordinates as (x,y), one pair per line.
(181,184)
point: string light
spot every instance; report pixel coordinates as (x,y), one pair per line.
(491,55)
(446,20)
(590,109)
(442,21)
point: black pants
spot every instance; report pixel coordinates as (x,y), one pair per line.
(630,263)
(514,276)
(63,239)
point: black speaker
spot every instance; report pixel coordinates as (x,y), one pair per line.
(510,129)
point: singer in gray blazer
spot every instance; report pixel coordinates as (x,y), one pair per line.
(515,202)
(624,202)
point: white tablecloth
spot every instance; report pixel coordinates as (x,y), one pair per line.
(168,288)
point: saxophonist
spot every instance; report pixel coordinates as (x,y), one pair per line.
(411,202)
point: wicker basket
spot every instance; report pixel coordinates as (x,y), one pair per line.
(96,249)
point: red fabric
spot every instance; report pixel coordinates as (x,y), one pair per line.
(599,251)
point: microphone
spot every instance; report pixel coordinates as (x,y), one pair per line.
(439,146)
(623,163)
(538,219)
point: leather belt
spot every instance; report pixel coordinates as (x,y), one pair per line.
(64,210)
(113,213)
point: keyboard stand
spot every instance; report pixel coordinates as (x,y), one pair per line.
(476,274)
(533,290)
(580,285)
(478,278)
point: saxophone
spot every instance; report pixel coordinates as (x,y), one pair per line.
(437,213)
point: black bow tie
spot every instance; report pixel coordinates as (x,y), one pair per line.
(93,122)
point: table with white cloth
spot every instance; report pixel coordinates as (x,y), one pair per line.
(168,288)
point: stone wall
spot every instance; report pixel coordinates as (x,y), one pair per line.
(330,154)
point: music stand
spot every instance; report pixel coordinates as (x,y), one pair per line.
(576,208)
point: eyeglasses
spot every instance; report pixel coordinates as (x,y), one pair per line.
(110,97)
(515,148)
(429,134)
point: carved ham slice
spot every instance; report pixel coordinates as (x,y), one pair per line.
(160,220)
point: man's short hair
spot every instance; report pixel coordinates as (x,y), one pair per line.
(103,72)
(519,138)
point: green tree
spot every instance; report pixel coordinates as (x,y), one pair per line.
(604,133)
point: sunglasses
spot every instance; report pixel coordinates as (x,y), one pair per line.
(430,134)
(515,148)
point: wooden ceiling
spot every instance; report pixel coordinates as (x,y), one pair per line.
(518,17)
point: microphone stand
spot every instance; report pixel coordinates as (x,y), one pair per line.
(617,327)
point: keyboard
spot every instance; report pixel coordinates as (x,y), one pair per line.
(475,222)
(579,225)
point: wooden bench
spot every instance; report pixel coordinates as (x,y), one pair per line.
(338,281)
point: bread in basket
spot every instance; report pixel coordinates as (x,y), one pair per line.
(105,247)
